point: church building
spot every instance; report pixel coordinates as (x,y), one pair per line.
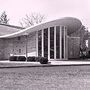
(51,39)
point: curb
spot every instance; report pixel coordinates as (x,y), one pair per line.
(7,64)
(43,65)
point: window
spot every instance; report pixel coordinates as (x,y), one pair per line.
(52,42)
(40,43)
(62,42)
(46,42)
(57,42)
(19,50)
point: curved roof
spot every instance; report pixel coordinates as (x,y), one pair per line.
(72,25)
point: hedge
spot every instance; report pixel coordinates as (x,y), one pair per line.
(17,58)
(43,60)
(31,59)
(13,58)
(21,58)
(37,59)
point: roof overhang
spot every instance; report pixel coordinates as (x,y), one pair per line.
(72,25)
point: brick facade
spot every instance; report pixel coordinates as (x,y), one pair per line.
(17,46)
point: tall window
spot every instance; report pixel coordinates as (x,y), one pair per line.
(52,42)
(46,42)
(40,43)
(62,42)
(57,42)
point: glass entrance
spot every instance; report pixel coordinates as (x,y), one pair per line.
(52,42)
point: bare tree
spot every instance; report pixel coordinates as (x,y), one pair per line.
(3,18)
(32,19)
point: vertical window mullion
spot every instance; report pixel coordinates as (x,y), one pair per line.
(60,42)
(64,43)
(49,43)
(36,43)
(54,42)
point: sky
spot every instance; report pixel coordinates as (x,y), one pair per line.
(52,9)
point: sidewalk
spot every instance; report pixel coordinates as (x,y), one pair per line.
(14,64)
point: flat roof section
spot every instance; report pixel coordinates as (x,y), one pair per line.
(6,29)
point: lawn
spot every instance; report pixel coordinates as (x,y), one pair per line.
(45,78)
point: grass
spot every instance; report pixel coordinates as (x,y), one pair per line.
(45,78)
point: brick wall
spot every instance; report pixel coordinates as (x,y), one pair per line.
(31,45)
(8,48)
(17,46)
(1,49)
(73,47)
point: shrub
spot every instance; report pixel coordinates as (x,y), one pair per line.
(13,58)
(88,54)
(43,60)
(37,59)
(32,59)
(21,58)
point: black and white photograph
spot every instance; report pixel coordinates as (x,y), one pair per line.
(44,45)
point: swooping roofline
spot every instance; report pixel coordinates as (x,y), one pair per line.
(72,24)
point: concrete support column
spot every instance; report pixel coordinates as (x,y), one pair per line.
(26,47)
(49,43)
(64,43)
(36,43)
(60,42)
(55,42)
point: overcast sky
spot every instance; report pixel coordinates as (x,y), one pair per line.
(52,9)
